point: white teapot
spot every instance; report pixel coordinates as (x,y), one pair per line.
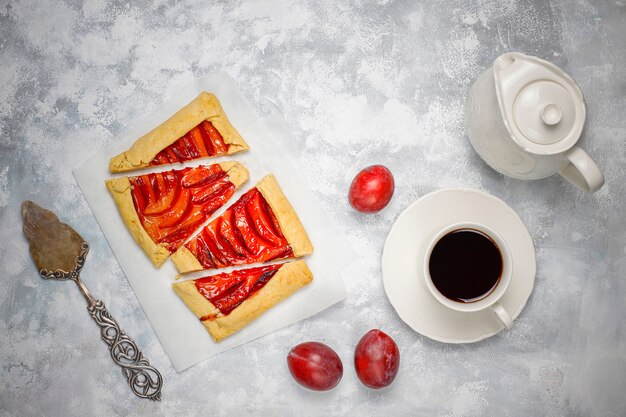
(524,116)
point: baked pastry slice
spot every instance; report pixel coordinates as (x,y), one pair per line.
(162,210)
(227,302)
(259,227)
(198,130)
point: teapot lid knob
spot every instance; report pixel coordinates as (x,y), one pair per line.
(551,114)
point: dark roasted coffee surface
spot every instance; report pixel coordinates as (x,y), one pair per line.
(465,265)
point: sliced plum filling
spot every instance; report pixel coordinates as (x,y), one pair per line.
(227,290)
(202,141)
(172,205)
(248,232)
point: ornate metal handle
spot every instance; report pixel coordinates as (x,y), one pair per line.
(144,379)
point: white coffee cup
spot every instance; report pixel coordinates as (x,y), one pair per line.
(489,301)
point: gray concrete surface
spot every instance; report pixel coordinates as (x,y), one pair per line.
(358,83)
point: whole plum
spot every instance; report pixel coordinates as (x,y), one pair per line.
(376,359)
(315,366)
(371,189)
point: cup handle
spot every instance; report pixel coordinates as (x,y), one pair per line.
(582,171)
(502,315)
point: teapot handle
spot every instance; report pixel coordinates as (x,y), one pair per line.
(582,171)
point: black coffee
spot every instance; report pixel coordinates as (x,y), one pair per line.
(465,265)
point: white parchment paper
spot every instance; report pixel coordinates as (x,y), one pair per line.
(183,337)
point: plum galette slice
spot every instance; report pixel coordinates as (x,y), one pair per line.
(259,227)
(162,210)
(198,130)
(227,302)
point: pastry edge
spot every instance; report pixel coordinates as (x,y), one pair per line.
(192,298)
(289,222)
(185,261)
(120,189)
(205,106)
(288,279)
(237,173)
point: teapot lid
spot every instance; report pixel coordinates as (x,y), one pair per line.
(541,106)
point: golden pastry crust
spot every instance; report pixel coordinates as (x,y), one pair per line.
(287,280)
(196,302)
(185,261)
(290,223)
(237,173)
(120,190)
(204,107)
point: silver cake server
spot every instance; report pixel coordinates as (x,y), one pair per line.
(59,253)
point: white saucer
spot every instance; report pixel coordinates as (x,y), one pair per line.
(404,253)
